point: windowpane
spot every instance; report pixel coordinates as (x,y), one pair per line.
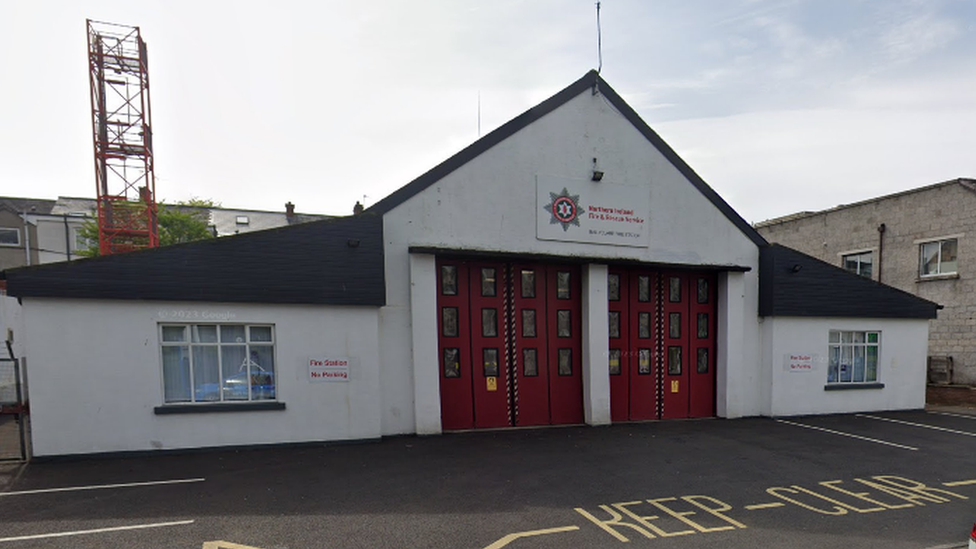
(203,334)
(452,362)
(260,334)
(614,324)
(176,374)
(674,289)
(174,333)
(9,237)
(562,285)
(565,362)
(206,373)
(834,337)
(614,362)
(846,337)
(644,362)
(948,263)
(871,366)
(929,258)
(643,289)
(489,322)
(449,280)
(613,287)
(528,283)
(262,372)
(703,290)
(674,361)
(702,360)
(858,364)
(488,282)
(846,362)
(864,269)
(833,365)
(563,324)
(232,334)
(674,325)
(857,337)
(528,323)
(530,364)
(234,363)
(702,325)
(644,325)
(872,337)
(490,357)
(449,321)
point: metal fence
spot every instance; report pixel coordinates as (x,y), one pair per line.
(13,408)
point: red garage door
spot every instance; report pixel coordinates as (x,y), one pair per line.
(509,342)
(662,344)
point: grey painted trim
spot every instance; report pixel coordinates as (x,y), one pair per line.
(852,386)
(221,407)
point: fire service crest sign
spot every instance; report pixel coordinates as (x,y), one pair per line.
(598,213)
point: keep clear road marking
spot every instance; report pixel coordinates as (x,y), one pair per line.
(959,483)
(512,537)
(102,486)
(764,506)
(97,531)
(922,425)
(226,545)
(859,437)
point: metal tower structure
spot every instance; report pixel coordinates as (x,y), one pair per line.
(122,135)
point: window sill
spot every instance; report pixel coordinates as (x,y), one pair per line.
(852,386)
(221,407)
(949,276)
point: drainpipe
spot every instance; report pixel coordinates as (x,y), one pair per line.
(67,237)
(881,232)
(27,237)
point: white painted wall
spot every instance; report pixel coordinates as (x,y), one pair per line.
(901,369)
(96,376)
(490,204)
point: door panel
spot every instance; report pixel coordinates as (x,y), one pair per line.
(531,353)
(618,362)
(490,379)
(675,345)
(702,367)
(454,342)
(643,366)
(564,344)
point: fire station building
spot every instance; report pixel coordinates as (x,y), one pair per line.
(567,268)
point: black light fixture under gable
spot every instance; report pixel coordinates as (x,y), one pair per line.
(796,268)
(597,174)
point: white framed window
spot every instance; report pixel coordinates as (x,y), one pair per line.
(858,263)
(205,363)
(854,356)
(938,257)
(9,236)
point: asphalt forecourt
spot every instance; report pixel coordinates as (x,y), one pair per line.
(892,479)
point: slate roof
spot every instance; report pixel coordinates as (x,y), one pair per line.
(587,82)
(29,205)
(335,261)
(792,283)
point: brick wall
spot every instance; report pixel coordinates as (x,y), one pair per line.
(946,209)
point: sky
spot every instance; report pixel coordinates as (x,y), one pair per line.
(781,106)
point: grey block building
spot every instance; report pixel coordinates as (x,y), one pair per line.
(922,241)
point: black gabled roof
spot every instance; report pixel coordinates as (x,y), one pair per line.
(792,283)
(587,82)
(333,261)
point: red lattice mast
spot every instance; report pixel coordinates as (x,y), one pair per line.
(122,134)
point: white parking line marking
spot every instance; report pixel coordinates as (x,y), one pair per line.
(950,414)
(97,531)
(922,425)
(102,486)
(859,437)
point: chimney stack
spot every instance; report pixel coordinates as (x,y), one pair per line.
(289,210)
(357,209)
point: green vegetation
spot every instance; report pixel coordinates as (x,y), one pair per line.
(184,221)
